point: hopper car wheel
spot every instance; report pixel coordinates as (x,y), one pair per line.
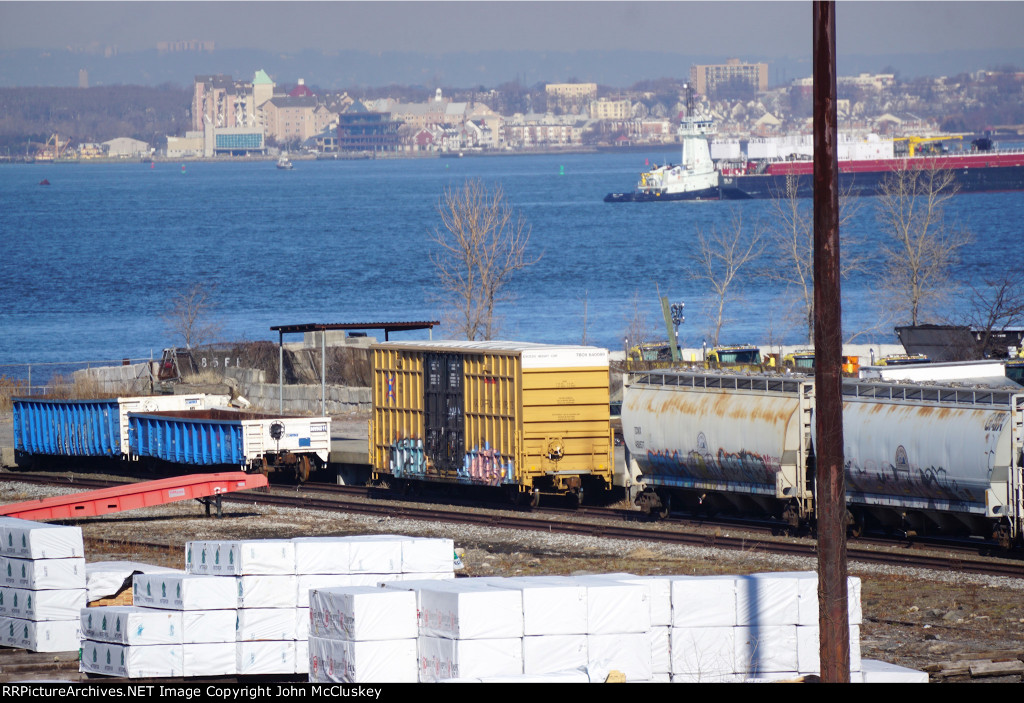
(666,505)
(302,469)
(855,528)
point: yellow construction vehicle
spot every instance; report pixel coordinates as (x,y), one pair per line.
(738,357)
(914,142)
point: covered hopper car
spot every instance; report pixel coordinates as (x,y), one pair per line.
(918,458)
(531,419)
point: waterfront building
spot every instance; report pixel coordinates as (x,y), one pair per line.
(707,78)
(570,97)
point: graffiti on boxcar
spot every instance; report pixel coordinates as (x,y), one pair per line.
(488,466)
(407,458)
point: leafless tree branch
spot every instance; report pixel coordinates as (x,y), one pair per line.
(717,260)
(922,247)
(190,316)
(480,244)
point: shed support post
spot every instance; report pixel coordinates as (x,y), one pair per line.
(280,370)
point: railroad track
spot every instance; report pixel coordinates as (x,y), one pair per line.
(607,523)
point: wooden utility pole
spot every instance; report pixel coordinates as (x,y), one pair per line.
(834,629)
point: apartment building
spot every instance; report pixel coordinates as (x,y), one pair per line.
(706,78)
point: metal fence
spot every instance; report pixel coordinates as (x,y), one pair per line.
(47,378)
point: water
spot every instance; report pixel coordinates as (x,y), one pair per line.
(92,262)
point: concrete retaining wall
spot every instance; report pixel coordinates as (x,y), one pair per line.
(132,377)
(341,400)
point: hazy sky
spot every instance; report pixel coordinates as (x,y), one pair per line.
(770,29)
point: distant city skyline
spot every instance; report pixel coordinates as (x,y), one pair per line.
(745,29)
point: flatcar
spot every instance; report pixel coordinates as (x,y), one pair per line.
(531,419)
(919,458)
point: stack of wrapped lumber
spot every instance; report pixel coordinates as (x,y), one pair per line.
(243,605)
(43,585)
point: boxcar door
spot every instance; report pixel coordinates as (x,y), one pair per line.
(445,442)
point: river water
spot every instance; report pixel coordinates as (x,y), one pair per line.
(91,262)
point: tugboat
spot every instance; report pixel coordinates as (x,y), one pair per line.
(284,163)
(693,178)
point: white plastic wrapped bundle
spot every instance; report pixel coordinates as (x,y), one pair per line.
(179,591)
(615,607)
(428,555)
(302,656)
(265,624)
(659,595)
(127,661)
(766,649)
(703,601)
(442,658)
(264,556)
(769,599)
(40,574)
(209,659)
(363,613)
(267,591)
(104,579)
(380,661)
(629,653)
(26,539)
(274,657)
(304,583)
(57,604)
(322,555)
(375,554)
(128,624)
(807,593)
(562,677)
(882,672)
(41,635)
(463,610)
(546,654)
(302,623)
(208,626)
(703,653)
(212,558)
(550,606)
(660,639)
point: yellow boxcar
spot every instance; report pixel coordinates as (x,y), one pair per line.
(533,418)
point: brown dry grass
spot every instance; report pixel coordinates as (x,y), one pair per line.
(83,387)
(9,388)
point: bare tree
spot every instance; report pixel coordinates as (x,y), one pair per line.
(480,244)
(922,248)
(717,260)
(793,248)
(639,329)
(190,316)
(997,305)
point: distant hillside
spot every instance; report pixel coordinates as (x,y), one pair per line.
(345,69)
(92,114)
